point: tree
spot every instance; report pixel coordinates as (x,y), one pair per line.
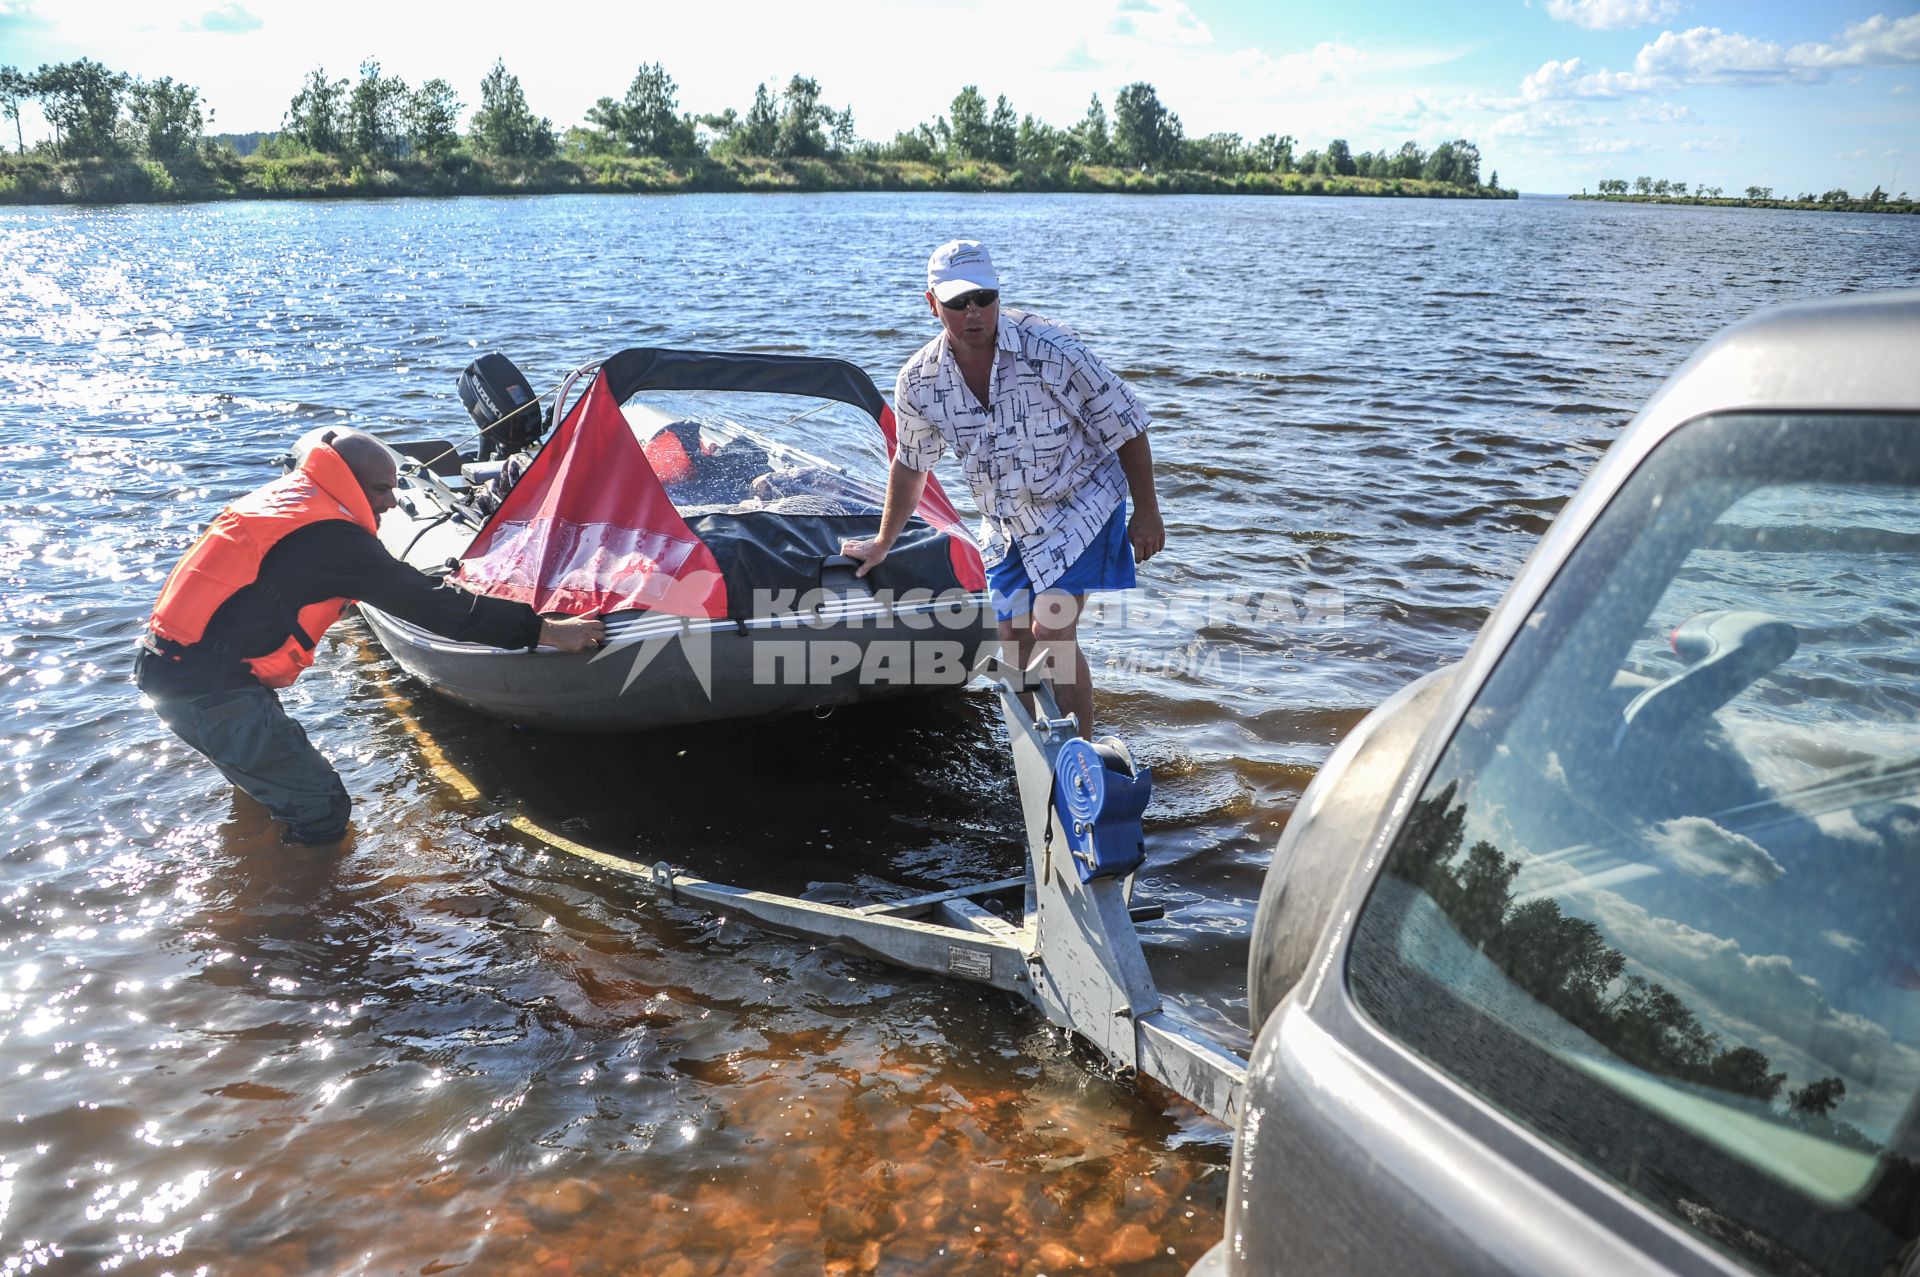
(1273,154)
(504,125)
(1038,147)
(374,109)
(1217,153)
(1759,192)
(841,138)
(1145,133)
(1745,1071)
(15,88)
(1493,180)
(1409,161)
(800,119)
(1001,131)
(910,145)
(648,121)
(168,118)
(82,101)
(1817,1099)
(1653,1028)
(1339,158)
(1838,195)
(722,125)
(1466,163)
(432,119)
(1456,163)
(758,133)
(1442,165)
(1643,186)
(314,117)
(1090,134)
(972,139)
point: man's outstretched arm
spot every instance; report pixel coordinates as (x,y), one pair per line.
(904,488)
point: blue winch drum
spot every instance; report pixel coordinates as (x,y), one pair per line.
(1099,795)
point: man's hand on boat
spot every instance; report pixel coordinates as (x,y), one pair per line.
(572,633)
(871,552)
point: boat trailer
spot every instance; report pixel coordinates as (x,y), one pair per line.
(1075,953)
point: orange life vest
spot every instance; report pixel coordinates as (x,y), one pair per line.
(227,559)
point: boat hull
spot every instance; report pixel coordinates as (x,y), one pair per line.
(838,646)
(664,672)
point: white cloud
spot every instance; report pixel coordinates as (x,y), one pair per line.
(1568,79)
(1158,21)
(1663,113)
(1879,41)
(1548,119)
(228,19)
(1702,848)
(1710,56)
(1326,62)
(1612,15)
(1841,940)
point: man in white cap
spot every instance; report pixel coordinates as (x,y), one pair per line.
(1053,445)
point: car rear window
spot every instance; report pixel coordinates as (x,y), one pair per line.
(1660,899)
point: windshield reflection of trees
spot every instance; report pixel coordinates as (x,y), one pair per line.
(1563,963)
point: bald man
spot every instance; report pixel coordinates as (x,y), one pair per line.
(241,613)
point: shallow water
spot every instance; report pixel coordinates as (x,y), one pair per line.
(448,1047)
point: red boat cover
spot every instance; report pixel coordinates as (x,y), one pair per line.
(589,529)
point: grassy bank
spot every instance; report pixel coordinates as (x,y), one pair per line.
(1809,206)
(221,175)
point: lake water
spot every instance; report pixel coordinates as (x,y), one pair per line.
(446,1047)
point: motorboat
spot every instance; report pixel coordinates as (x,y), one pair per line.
(696,502)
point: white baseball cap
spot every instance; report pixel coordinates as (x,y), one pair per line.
(960,266)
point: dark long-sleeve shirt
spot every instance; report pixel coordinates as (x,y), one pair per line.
(333,559)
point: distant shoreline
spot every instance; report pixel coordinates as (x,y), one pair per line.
(32,179)
(1805,206)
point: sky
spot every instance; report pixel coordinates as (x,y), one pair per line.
(1557,94)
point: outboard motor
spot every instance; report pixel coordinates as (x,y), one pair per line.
(502,403)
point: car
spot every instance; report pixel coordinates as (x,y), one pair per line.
(1599,952)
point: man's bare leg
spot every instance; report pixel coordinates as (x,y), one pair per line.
(1052,631)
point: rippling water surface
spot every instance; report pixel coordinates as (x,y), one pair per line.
(444,1047)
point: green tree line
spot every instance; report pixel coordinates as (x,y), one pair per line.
(95,113)
(1662,189)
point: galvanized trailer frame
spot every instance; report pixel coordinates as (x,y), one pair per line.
(1075,954)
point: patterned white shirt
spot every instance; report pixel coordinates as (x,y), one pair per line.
(1039,455)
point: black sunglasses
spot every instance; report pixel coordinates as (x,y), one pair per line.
(981,297)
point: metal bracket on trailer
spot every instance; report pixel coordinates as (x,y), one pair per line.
(1075,954)
(1090,974)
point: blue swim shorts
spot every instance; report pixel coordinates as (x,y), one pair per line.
(1106,564)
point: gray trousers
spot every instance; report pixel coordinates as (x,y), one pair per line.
(250,738)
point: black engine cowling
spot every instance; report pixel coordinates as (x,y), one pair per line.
(502,403)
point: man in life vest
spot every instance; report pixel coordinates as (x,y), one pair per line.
(241,613)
